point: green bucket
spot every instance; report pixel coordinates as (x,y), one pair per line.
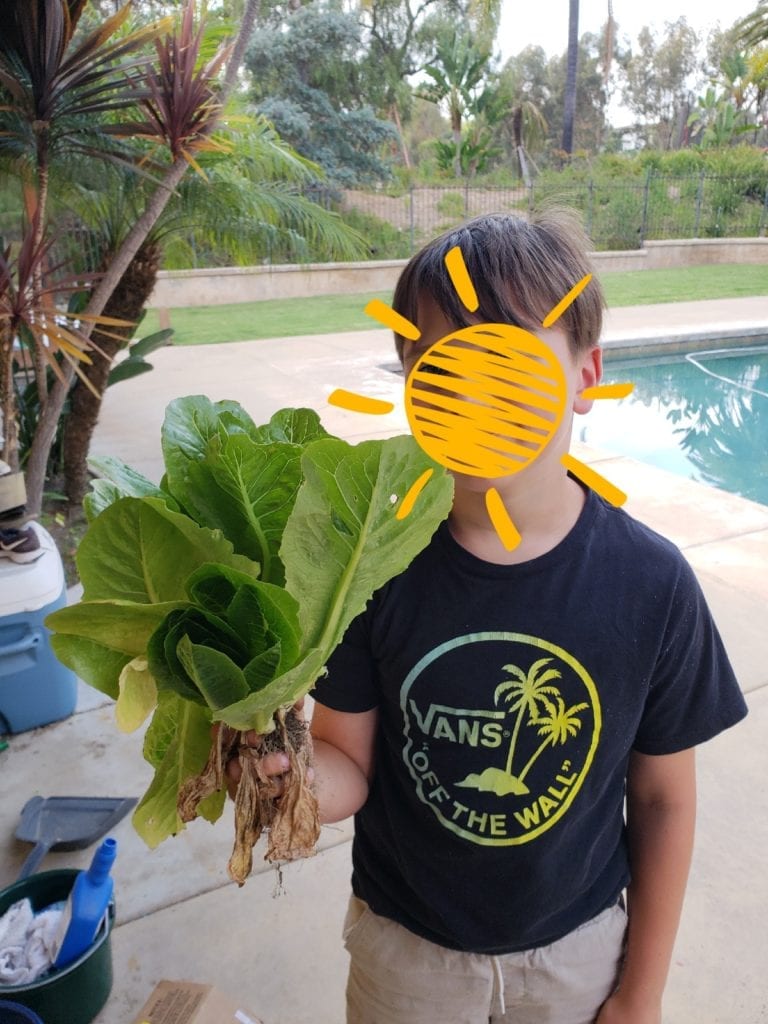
(75,994)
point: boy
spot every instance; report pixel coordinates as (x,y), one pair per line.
(486,715)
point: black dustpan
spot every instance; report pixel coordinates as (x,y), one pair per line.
(67,823)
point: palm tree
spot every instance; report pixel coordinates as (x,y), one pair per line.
(734,77)
(30,311)
(753,29)
(248,200)
(529,129)
(758,78)
(570,75)
(458,69)
(525,692)
(180,102)
(58,96)
(557,726)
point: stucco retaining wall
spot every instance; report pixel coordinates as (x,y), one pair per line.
(223,285)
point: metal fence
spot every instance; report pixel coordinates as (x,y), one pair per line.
(618,215)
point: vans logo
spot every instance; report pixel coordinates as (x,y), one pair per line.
(505,771)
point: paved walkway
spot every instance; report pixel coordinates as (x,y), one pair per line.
(180,917)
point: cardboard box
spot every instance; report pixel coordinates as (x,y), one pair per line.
(186,1002)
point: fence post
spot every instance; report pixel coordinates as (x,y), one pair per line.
(699,197)
(763,215)
(590,206)
(411,217)
(647,193)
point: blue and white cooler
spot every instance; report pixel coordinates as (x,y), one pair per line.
(35,688)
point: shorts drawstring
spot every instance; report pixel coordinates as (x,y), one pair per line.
(499,983)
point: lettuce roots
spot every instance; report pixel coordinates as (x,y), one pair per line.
(288,813)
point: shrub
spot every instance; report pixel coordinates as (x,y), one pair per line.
(451,204)
(385,241)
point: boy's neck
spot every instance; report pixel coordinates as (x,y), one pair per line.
(543,506)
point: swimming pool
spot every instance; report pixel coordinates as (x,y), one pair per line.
(703,415)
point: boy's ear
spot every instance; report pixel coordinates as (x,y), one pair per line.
(590,375)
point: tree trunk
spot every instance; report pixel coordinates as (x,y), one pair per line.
(570,75)
(456,129)
(9,425)
(51,412)
(39,361)
(403,147)
(126,303)
(241,44)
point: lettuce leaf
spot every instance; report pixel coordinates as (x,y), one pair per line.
(140,550)
(118,480)
(341,543)
(176,745)
(220,594)
(97,639)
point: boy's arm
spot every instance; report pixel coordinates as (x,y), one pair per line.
(344,745)
(342,762)
(661,813)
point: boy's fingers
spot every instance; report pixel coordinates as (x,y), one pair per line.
(275,764)
(271,764)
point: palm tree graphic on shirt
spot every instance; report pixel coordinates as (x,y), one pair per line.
(534,700)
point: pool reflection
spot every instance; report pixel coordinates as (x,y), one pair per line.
(704,416)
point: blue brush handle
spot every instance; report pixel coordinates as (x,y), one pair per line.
(33,859)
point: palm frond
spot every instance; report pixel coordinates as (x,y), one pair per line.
(752,30)
(66,88)
(181,106)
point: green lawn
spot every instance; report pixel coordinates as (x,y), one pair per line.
(684,284)
(277,318)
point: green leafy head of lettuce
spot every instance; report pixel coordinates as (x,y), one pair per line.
(219,594)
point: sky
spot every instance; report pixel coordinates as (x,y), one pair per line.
(545,22)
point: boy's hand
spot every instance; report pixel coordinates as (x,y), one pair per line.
(275,765)
(618,1009)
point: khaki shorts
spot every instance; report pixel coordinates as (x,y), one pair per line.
(396,977)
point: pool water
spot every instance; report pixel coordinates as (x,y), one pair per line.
(703,415)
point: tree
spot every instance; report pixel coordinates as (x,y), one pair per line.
(31,315)
(718,119)
(569,105)
(518,124)
(57,94)
(658,81)
(535,85)
(180,102)
(557,726)
(306,79)
(248,202)
(758,78)
(753,29)
(395,45)
(457,71)
(738,80)
(524,692)
(591,94)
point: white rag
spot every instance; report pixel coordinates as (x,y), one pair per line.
(27,942)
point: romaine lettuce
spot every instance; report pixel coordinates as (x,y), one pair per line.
(219,595)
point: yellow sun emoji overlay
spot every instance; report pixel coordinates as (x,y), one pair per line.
(485,400)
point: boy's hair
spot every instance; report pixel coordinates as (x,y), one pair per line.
(520,269)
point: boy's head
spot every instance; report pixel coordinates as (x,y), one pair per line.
(520,270)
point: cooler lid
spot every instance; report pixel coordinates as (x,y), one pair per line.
(29,586)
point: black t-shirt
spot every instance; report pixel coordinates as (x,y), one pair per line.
(510,698)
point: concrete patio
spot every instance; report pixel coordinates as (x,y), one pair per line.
(275,944)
